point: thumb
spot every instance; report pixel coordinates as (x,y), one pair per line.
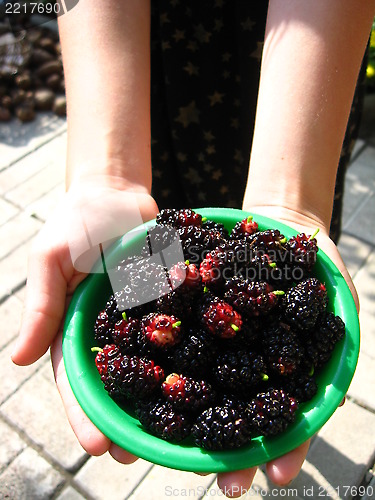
(46,290)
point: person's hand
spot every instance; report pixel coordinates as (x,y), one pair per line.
(90,215)
(283,470)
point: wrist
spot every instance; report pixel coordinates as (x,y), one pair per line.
(113,174)
(301,219)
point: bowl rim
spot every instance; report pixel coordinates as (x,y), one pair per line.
(125,431)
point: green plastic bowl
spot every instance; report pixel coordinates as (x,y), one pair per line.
(123,428)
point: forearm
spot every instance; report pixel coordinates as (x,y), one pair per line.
(106,56)
(311,59)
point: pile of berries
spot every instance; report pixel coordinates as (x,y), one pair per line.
(222,345)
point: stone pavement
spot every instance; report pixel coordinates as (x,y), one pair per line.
(39,455)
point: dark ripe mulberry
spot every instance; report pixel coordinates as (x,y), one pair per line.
(321,340)
(304,303)
(179,218)
(197,242)
(301,386)
(213,268)
(161,419)
(130,376)
(112,311)
(103,329)
(239,372)
(250,298)
(195,354)
(140,283)
(282,349)
(301,251)
(222,320)
(187,394)
(222,428)
(125,333)
(216,227)
(271,412)
(271,241)
(177,303)
(163,239)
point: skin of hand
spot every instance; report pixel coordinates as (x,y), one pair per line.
(90,214)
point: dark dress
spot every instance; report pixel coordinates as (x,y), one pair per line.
(205,66)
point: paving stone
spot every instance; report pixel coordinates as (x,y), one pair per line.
(17,140)
(37,410)
(120,480)
(11,445)
(17,231)
(162,482)
(370,490)
(354,252)
(359,145)
(363,383)
(13,376)
(366,131)
(365,284)
(7,211)
(21,294)
(261,487)
(362,224)
(10,313)
(363,168)
(44,206)
(339,457)
(365,163)
(70,493)
(29,476)
(13,269)
(354,195)
(53,152)
(38,185)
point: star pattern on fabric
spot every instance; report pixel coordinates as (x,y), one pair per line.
(238,156)
(191,69)
(210,150)
(165,45)
(217,174)
(235,123)
(181,157)
(208,136)
(165,156)
(202,89)
(257,53)
(201,34)
(219,24)
(216,98)
(193,176)
(248,24)
(188,114)
(164,18)
(192,45)
(179,35)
